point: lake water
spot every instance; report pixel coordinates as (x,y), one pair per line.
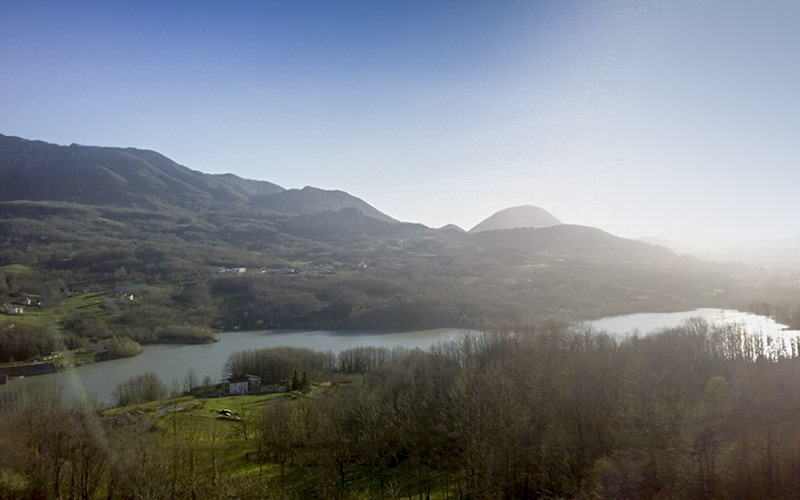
(646,323)
(172,362)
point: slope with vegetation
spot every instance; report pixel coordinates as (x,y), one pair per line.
(199,253)
(546,411)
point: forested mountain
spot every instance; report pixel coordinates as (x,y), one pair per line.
(128,177)
(217,252)
(575,241)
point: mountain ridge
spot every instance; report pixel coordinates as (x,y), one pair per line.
(95,175)
(575,240)
(72,217)
(147,180)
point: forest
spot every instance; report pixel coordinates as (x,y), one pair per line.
(544,411)
(142,276)
(533,407)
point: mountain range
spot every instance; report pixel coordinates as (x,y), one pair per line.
(128,177)
(73,216)
(37,171)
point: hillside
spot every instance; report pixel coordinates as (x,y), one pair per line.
(311,200)
(575,241)
(517,217)
(135,178)
(207,253)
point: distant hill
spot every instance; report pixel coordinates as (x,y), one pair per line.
(517,217)
(451,228)
(784,253)
(575,241)
(128,177)
(73,218)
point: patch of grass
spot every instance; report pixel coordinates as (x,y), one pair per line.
(194,422)
(15,269)
(87,304)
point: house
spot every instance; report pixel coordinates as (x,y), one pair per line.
(231,270)
(242,384)
(14,310)
(32,301)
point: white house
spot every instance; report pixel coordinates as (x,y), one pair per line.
(13,310)
(243,384)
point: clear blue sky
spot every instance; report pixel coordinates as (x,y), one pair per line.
(641,118)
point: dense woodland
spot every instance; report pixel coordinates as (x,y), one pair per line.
(549,411)
(359,273)
(154,252)
(163,235)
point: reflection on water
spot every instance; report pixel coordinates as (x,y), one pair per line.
(725,332)
(172,362)
(645,323)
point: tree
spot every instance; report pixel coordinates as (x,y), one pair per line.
(304,382)
(140,389)
(190,380)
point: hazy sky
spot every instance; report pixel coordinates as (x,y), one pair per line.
(641,118)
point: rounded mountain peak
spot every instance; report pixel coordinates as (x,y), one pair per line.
(517,217)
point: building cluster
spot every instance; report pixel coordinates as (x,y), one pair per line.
(18,306)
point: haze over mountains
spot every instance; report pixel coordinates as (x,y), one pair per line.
(36,171)
(775,253)
(134,178)
(72,216)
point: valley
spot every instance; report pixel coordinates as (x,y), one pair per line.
(168,254)
(150,254)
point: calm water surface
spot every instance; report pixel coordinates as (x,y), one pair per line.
(646,323)
(172,362)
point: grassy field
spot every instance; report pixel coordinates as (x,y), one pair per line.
(15,269)
(89,304)
(224,432)
(222,429)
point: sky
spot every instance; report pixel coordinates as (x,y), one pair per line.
(667,118)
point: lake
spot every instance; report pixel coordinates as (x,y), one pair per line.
(645,323)
(172,362)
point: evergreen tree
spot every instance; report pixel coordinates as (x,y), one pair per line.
(304,383)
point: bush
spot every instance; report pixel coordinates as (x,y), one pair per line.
(122,347)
